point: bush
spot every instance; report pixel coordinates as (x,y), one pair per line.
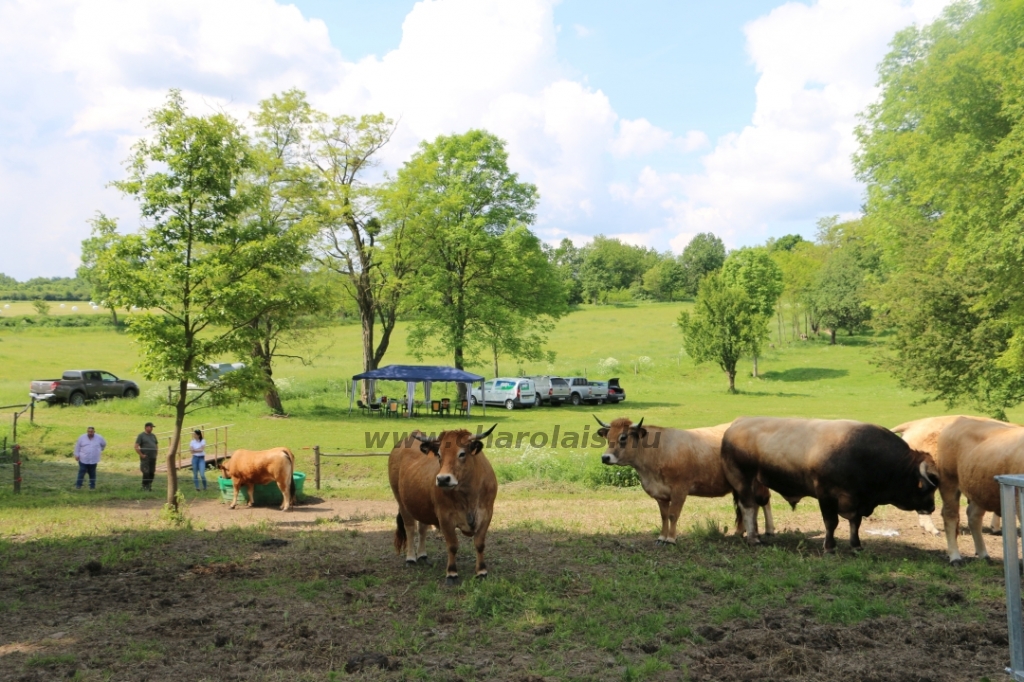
(23,321)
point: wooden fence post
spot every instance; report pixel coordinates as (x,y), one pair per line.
(316,465)
(17,468)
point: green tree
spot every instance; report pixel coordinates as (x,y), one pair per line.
(723,327)
(754,271)
(567,258)
(610,265)
(96,252)
(196,258)
(704,255)
(467,224)
(838,298)
(42,307)
(799,267)
(940,154)
(666,280)
(342,151)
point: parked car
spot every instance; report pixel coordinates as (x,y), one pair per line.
(214,371)
(616,394)
(512,392)
(78,385)
(582,391)
(553,390)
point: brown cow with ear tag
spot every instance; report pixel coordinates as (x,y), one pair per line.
(445,482)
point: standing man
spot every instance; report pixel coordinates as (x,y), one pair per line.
(88,449)
(147,445)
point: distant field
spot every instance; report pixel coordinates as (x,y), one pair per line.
(9,308)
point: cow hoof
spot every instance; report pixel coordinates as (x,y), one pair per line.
(231,506)
(451,580)
(997,532)
(659,542)
(769,535)
(858,549)
(956,562)
(410,562)
(422,559)
(481,576)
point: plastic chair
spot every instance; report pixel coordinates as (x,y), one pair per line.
(446,406)
(463,409)
(435,407)
(393,408)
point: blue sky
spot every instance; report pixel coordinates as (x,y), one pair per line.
(650,121)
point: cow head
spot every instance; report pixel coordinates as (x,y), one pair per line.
(225,468)
(926,480)
(456,453)
(625,440)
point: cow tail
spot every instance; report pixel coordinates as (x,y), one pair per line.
(400,536)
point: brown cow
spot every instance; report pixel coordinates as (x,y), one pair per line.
(923,435)
(850,467)
(454,490)
(256,467)
(673,463)
(971,453)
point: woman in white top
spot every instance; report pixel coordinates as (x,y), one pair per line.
(198,448)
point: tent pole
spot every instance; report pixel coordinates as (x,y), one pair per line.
(352,396)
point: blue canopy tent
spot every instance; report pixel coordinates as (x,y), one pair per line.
(414,374)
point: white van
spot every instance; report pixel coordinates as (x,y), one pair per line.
(512,392)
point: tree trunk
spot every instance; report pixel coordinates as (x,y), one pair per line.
(832,332)
(113,313)
(755,367)
(732,381)
(495,349)
(366,318)
(172,454)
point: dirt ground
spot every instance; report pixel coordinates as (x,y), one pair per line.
(251,596)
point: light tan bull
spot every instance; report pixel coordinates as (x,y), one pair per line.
(671,464)
(923,435)
(971,453)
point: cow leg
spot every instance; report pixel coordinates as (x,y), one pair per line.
(451,538)
(286,500)
(855,532)
(251,489)
(423,528)
(769,522)
(925,521)
(410,536)
(750,523)
(675,507)
(997,524)
(951,521)
(663,508)
(975,516)
(830,515)
(234,501)
(478,542)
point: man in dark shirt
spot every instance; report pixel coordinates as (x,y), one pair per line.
(147,445)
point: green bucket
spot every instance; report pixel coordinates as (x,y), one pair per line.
(267,493)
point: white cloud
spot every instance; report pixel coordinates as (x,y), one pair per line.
(793,161)
(582,31)
(641,137)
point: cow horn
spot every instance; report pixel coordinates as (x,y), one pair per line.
(481,436)
(927,475)
(601,422)
(639,424)
(422,438)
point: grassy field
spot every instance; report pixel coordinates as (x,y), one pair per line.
(10,308)
(578,591)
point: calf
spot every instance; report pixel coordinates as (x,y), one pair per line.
(256,467)
(671,464)
(923,435)
(453,489)
(971,453)
(850,467)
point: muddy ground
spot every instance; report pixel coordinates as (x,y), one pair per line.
(319,594)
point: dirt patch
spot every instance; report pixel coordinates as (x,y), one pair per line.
(258,594)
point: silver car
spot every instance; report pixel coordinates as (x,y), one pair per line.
(512,392)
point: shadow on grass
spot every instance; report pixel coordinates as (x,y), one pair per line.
(805,374)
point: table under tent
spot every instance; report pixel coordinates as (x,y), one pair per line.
(415,374)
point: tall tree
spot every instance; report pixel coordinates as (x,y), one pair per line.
(195,257)
(96,253)
(467,217)
(838,298)
(704,255)
(754,271)
(940,154)
(343,149)
(723,326)
(568,261)
(611,265)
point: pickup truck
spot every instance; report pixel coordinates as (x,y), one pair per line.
(553,390)
(583,391)
(78,385)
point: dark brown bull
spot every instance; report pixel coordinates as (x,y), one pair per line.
(454,490)
(850,467)
(671,464)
